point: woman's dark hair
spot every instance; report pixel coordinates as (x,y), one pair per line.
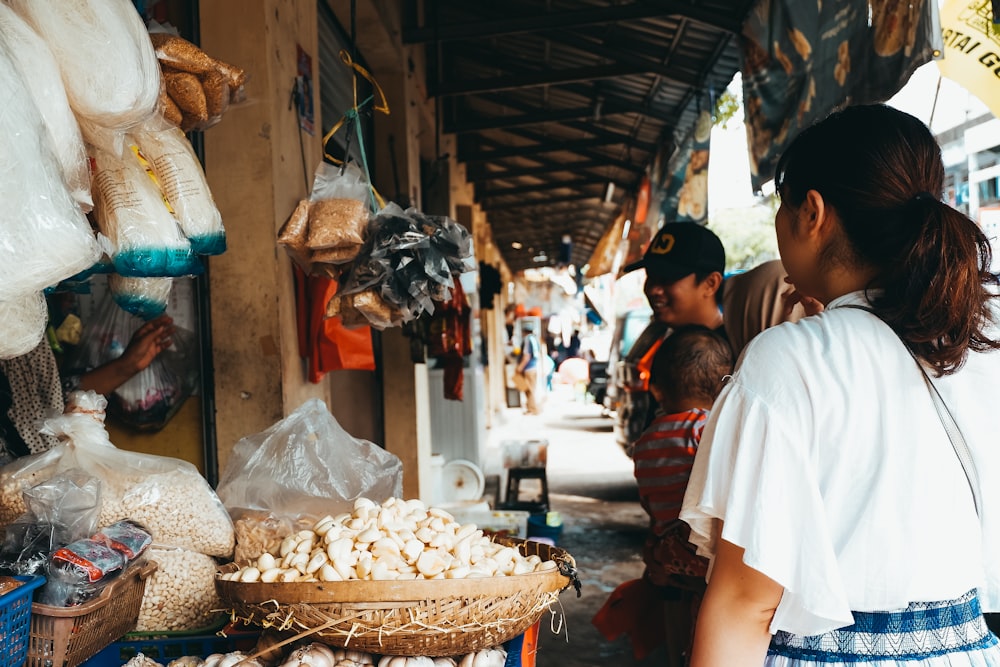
(881,170)
(691,363)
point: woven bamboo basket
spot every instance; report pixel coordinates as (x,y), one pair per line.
(436,617)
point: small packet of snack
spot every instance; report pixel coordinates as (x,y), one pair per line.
(126,537)
(80,571)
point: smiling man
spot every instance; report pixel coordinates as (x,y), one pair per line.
(684,264)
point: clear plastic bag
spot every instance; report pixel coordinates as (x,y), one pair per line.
(151,397)
(307,465)
(103,50)
(131,211)
(329,228)
(22,324)
(183,183)
(60,510)
(46,236)
(41,74)
(168,496)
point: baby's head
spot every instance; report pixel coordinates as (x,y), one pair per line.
(689,367)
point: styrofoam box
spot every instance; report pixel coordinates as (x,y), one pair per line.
(513,523)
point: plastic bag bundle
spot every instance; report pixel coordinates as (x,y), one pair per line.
(44,235)
(407,264)
(143,297)
(183,183)
(41,74)
(167,496)
(22,324)
(328,229)
(307,465)
(131,211)
(108,65)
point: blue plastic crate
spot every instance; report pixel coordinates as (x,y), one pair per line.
(167,646)
(15,621)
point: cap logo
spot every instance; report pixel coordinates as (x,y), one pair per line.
(662,245)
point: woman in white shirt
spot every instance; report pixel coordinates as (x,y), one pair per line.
(841,524)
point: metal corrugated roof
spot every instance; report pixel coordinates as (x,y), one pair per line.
(552,101)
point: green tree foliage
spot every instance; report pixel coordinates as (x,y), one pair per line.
(727,107)
(747,233)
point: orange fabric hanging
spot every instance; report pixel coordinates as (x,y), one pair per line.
(450,339)
(328,345)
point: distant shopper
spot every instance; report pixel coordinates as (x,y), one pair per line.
(528,366)
(687,374)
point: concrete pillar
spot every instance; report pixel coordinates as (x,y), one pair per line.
(397,176)
(254,163)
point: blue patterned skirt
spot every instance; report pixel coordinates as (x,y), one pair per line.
(925,633)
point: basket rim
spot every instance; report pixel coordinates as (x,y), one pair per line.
(141,570)
(395,591)
(387,590)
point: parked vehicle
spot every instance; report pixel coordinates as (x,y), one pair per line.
(627,395)
(597,386)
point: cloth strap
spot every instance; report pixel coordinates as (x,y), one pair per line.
(951,428)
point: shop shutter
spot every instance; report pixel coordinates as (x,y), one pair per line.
(336,85)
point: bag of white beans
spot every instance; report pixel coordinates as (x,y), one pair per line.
(180,595)
(166,495)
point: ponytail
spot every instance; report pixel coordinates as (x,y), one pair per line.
(877,167)
(935,297)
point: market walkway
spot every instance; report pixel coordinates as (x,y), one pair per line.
(591,486)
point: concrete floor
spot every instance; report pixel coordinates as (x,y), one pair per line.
(592,487)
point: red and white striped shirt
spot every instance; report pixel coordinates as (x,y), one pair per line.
(663,457)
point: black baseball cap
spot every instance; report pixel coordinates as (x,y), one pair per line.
(679,249)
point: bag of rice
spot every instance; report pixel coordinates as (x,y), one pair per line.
(108,65)
(41,74)
(46,236)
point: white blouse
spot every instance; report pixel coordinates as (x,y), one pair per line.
(827,462)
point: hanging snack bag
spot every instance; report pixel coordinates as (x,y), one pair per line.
(338,213)
(132,212)
(41,74)
(107,62)
(198,88)
(183,183)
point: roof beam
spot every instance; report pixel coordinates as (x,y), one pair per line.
(552,145)
(488,206)
(477,175)
(480,123)
(535,79)
(540,187)
(511,25)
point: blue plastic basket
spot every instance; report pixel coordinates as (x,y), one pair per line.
(167,646)
(15,621)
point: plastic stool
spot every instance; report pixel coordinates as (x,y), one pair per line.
(513,499)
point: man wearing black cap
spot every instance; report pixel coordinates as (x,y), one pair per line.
(684,263)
